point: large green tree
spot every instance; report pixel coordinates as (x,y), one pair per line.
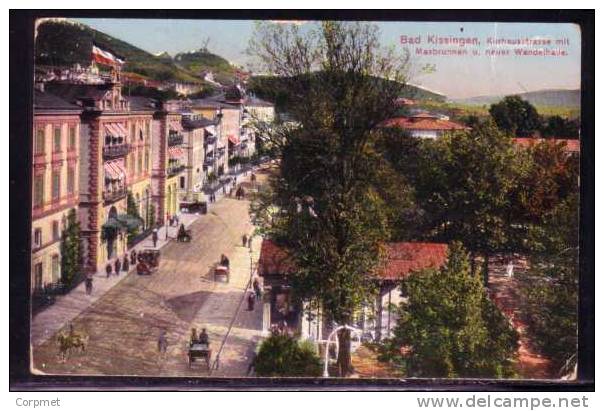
(515,116)
(448,326)
(550,287)
(70,250)
(332,214)
(463,183)
(284,356)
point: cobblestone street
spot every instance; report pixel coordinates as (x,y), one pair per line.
(123,325)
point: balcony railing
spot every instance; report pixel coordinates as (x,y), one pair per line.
(114,195)
(119,150)
(175,139)
(172,171)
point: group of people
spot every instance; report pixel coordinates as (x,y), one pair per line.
(202,338)
(121,264)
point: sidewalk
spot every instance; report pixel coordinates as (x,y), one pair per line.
(67,307)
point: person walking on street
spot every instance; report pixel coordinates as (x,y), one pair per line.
(162,342)
(126,264)
(257,289)
(108,269)
(154,237)
(133,252)
(118,266)
(244,240)
(88,284)
(251,299)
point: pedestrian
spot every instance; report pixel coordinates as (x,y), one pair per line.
(162,342)
(510,268)
(133,252)
(257,289)
(244,240)
(126,264)
(118,266)
(154,237)
(88,284)
(251,299)
(249,243)
(108,269)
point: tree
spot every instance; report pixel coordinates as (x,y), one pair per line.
(284,356)
(463,183)
(550,287)
(132,210)
(559,127)
(448,326)
(70,250)
(332,217)
(515,116)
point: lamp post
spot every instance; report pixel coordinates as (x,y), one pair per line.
(341,327)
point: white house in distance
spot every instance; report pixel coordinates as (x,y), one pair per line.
(425,125)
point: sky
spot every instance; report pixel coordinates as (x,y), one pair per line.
(453,75)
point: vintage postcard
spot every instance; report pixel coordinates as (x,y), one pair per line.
(293,198)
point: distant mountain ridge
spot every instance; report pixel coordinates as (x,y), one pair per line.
(548,97)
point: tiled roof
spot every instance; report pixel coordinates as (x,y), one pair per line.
(570,145)
(139,103)
(403,259)
(407,257)
(47,101)
(72,92)
(424,122)
(198,122)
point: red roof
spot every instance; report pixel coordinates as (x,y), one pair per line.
(424,122)
(403,259)
(570,145)
(273,259)
(407,257)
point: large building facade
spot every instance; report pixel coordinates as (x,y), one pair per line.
(55,170)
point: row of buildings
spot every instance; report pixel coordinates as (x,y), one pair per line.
(94,148)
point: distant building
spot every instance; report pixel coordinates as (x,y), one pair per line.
(55,171)
(571,146)
(425,125)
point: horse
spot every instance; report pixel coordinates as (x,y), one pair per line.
(68,342)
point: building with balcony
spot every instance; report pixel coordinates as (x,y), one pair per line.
(114,138)
(55,170)
(199,134)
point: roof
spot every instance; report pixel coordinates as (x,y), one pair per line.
(273,259)
(47,101)
(424,122)
(198,122)
(73,92)
(570,145)
(257,102)
(403,259)
(407,257)
(139,103)
(211,102)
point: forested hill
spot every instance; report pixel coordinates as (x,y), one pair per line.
(65,43)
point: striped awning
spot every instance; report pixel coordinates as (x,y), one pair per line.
(116,130)
(175,153)
(175,126)
(233,139)
(114,170)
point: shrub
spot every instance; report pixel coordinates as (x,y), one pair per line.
(285,356)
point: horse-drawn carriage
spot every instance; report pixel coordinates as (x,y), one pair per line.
(148,262)
(184,235)
(222,273)
(198,351)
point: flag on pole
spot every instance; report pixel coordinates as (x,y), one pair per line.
(105,57)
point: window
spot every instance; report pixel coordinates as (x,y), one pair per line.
(39,190)
(38,237)
(56,184)
(70,180)
(55,230)
(55,267)
(72,137)
(140,162)
(147,130)
(57,139)
(146,161)
(133,131)
(38,276)
(182,182)
(39,141)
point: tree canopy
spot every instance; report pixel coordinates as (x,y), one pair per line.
(449,327)
(515,116)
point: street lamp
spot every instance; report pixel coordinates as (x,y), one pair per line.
(341,327)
